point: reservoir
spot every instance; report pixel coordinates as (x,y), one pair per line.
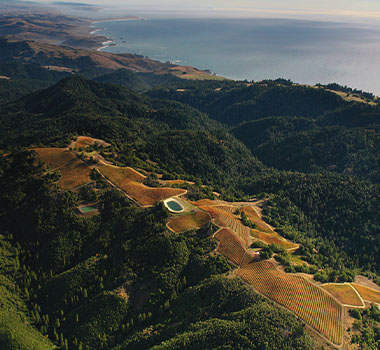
(174,205)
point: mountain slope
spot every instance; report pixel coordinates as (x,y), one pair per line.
(80,106)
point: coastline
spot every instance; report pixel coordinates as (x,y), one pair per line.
(131,18)
(106,44)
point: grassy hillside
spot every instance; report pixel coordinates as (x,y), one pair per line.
(121,280)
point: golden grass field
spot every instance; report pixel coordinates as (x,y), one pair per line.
(344,293)
(55,157)
(230,245)
(351,97)
(177,182)
(84,141)
(130,181)
(204,202)
(367,294)
(309,302)
(188,222)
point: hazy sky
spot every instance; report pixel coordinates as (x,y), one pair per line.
(269,8)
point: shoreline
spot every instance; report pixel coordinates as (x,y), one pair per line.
(132,18)
(105,44)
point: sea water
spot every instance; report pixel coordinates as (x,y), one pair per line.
(306,52)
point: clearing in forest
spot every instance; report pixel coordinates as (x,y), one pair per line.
(344,293)
(130,181)
(309,302)
(177,182)
(85,141)
(188,222)
(367,294)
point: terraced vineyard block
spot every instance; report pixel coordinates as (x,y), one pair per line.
(309,302)
(230,245)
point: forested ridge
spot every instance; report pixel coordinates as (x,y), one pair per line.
(121,280)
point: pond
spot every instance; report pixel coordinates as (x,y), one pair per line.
(87,209)
(174,206)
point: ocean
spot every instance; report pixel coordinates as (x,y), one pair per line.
(306,52)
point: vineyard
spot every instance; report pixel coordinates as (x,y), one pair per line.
(74,172)
(255,218)
(309,302)
(264,232)
(224,217)
(230,245)
(129,180)
(55,157)
(121,176)
(188,222)
(344,293)
(367,294)
(273,238)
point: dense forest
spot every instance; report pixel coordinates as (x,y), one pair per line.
(121,280)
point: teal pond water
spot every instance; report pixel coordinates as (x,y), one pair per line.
(174,206)
(87,209)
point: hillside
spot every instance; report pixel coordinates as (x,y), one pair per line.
(292,127)
(86,62)
(122,274)
(86,164)
(140,125)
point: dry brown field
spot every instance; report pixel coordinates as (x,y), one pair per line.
(74,172)
(367,294)
(344,293)
(202,202)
